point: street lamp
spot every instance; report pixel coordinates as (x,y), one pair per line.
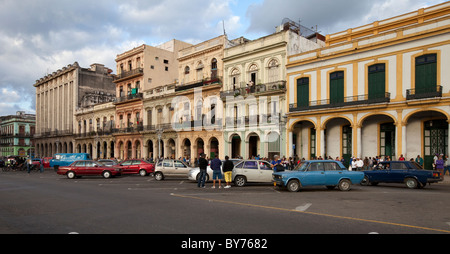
(160,132)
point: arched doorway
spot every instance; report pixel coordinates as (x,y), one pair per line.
(253,145)
(129,148)
(213,147)
(138,154)
(235,146)
(187,148)
(200,148)
(150,149)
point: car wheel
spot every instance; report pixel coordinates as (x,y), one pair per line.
(411,183)
(71,175)
(198,177)
(159,176)
(142,172)
(240,181)
(106,174)
(365,181)
(344,185)
(293,186)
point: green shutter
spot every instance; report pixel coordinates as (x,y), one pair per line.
(303,92)
(337,87)
(426,74)
(377,81)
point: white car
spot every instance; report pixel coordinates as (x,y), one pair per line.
(171,167)
(256,171)
(194,173)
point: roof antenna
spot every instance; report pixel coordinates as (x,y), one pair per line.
(224,32)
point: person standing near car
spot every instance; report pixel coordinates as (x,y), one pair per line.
(440,166)
(217,174)
(228,171)
(202,164)
(446,166)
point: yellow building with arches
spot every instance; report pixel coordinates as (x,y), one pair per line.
(381,89)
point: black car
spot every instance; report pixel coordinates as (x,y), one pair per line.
(407,172)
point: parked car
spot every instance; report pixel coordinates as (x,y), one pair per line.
(171,167)
(248,171)
(140,167)
(407,172)
(194,173)
(318,172)
(66,159)
(88,168)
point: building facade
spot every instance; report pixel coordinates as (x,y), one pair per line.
(59,95)
(16,134)
(376,90)
(254,91)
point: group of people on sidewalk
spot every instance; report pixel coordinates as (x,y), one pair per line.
(216,164)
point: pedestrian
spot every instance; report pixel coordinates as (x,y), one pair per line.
(419,161)
(202,164)
(228,171)
(401,158)
(276,164)
(446,166)
(42,165)
(28,162)
(440,165)
(217,174)
(359,164)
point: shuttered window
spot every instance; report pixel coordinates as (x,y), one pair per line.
(426,74)
(377,81)
(337,87)
(303,92)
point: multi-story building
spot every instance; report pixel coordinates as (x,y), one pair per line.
(254,90)
(197,115)
(16,134)
(138,70)
(378,89)
(59,95)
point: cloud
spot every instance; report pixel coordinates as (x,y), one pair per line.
(329,15)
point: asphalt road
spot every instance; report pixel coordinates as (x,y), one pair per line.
(46,203)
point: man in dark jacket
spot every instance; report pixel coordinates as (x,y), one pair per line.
(202,164)
(227,171)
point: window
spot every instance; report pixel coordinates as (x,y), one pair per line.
(126,163)
(166,68)
(80,164)
(136,162)
(331,166)
(90,164)
(426,74)
(265,166)
(179,164)
(303,92)
(167,164)
(166,61)
(251,165)
(316,166)
(377,81)
(273,71)
(337,87)
(152,67)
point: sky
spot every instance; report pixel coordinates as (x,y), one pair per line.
(38,37)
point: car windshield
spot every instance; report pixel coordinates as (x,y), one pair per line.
(302,166)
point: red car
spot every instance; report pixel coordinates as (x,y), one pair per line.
(88,168)
(140,167)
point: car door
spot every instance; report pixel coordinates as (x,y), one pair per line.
(315,174)
(265,171)
(134,166)
(333,173)
(168,168)
(92,168)
(398,172)
(125,166)
(180,169)
(251,171)
(80,168)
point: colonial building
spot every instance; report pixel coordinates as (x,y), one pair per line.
(379,89)
(254,90)
(59,95)
(16,134)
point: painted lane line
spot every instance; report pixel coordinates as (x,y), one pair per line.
(303,208)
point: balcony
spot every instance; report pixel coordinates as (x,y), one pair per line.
(131,97)
(211,81)
(129,74)
(431,92)
(347,101)
(278,86)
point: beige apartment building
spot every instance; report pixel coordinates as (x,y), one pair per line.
(138,70)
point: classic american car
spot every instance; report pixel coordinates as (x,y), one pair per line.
(318,172)
(407,172)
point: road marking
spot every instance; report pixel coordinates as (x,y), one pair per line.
(311,213)
(303,208)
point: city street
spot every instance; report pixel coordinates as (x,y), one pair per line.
(46,203)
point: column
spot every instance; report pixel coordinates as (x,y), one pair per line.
(322,144)
(404,147)
(358,142)
(290,144)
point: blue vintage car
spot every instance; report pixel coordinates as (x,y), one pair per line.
(407,172)
(318,172)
